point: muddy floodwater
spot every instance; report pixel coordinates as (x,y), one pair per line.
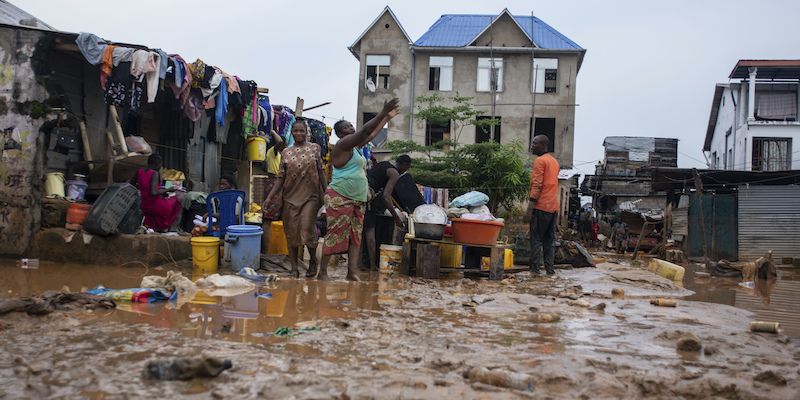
(393,337)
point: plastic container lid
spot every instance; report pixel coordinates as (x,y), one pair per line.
(430,214)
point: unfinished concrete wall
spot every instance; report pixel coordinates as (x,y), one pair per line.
(386,37)
(23,110)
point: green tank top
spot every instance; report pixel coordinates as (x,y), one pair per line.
(351,181)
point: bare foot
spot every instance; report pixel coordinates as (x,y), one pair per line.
(294,273)
(352,277)
(323,276)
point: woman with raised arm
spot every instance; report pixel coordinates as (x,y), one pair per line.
(346,196)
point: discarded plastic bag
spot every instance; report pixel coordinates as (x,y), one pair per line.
(223,281)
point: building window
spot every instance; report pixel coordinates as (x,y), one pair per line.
(545,75)
(377,71)
(488,133)
(544,126)
(436,133)
(490,74)
(772,154)
(441,73)
(381,137)
(714,160)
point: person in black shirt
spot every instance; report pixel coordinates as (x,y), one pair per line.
(382,177)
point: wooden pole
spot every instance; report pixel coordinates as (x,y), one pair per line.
(298,108)
(639,241)
(118,127)
(87,150)
(698,186)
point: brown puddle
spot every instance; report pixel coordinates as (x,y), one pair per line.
(773,300)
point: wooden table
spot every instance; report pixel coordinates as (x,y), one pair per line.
(421,257)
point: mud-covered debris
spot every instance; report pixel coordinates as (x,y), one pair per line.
(51,300)
(689,342)
(599,307)
(617,292)
(581,303)
(545,318)
(770,378)
(508,281)
(710,349)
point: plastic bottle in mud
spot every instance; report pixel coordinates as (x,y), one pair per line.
(499,377)
(28,263)
(184,369)
(663,303)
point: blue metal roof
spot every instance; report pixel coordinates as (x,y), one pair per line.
(454,30)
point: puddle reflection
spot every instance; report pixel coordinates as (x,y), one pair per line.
(773,300)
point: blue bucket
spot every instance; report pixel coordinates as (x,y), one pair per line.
(245,246)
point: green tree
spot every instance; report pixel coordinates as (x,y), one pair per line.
(461,114)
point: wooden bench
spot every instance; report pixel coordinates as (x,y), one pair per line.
(421,257)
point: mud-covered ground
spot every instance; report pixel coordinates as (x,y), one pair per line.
(416,342)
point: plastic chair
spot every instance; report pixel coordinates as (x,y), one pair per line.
(226,210)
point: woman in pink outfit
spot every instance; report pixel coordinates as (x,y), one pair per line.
(160,212)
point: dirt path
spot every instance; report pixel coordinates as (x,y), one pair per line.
(427,334)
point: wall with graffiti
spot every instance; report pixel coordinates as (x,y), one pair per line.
(21,162)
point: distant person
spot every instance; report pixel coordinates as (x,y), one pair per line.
(382,179)
(346,196)
(272,211)
(543,206)
(160,211)
(303,181)
(619,237)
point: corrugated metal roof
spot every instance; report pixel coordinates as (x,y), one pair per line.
(458,30)
(12,15)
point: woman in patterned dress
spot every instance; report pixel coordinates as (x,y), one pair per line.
(303,182)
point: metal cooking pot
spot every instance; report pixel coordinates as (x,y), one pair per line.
(430,214)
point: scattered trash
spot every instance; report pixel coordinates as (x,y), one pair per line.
(184,369)
(663,303)
(702,275)
(251,274)
(689,342)
(767,327)
(346,302)
(223,281)
(501,378)
(749,285)
(617,293)
(28,263)
(135,295)
(285,331)
(599,307)
(266,295)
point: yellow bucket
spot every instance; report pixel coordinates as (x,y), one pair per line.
(205,254)
(256,149)
(450,255)
(54,184)
(391,257)
(277,239)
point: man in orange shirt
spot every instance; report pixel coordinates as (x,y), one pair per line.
(543,206)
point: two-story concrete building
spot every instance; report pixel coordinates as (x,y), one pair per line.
(753,123)
(519,70)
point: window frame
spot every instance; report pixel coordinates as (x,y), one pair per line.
(445,133)
(541,68)
(488,71)
(443,67)
(380,62)
(758,160)
(487,132)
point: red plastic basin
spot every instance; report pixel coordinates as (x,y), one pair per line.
(475,232)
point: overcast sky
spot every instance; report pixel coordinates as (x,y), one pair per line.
(650,67)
